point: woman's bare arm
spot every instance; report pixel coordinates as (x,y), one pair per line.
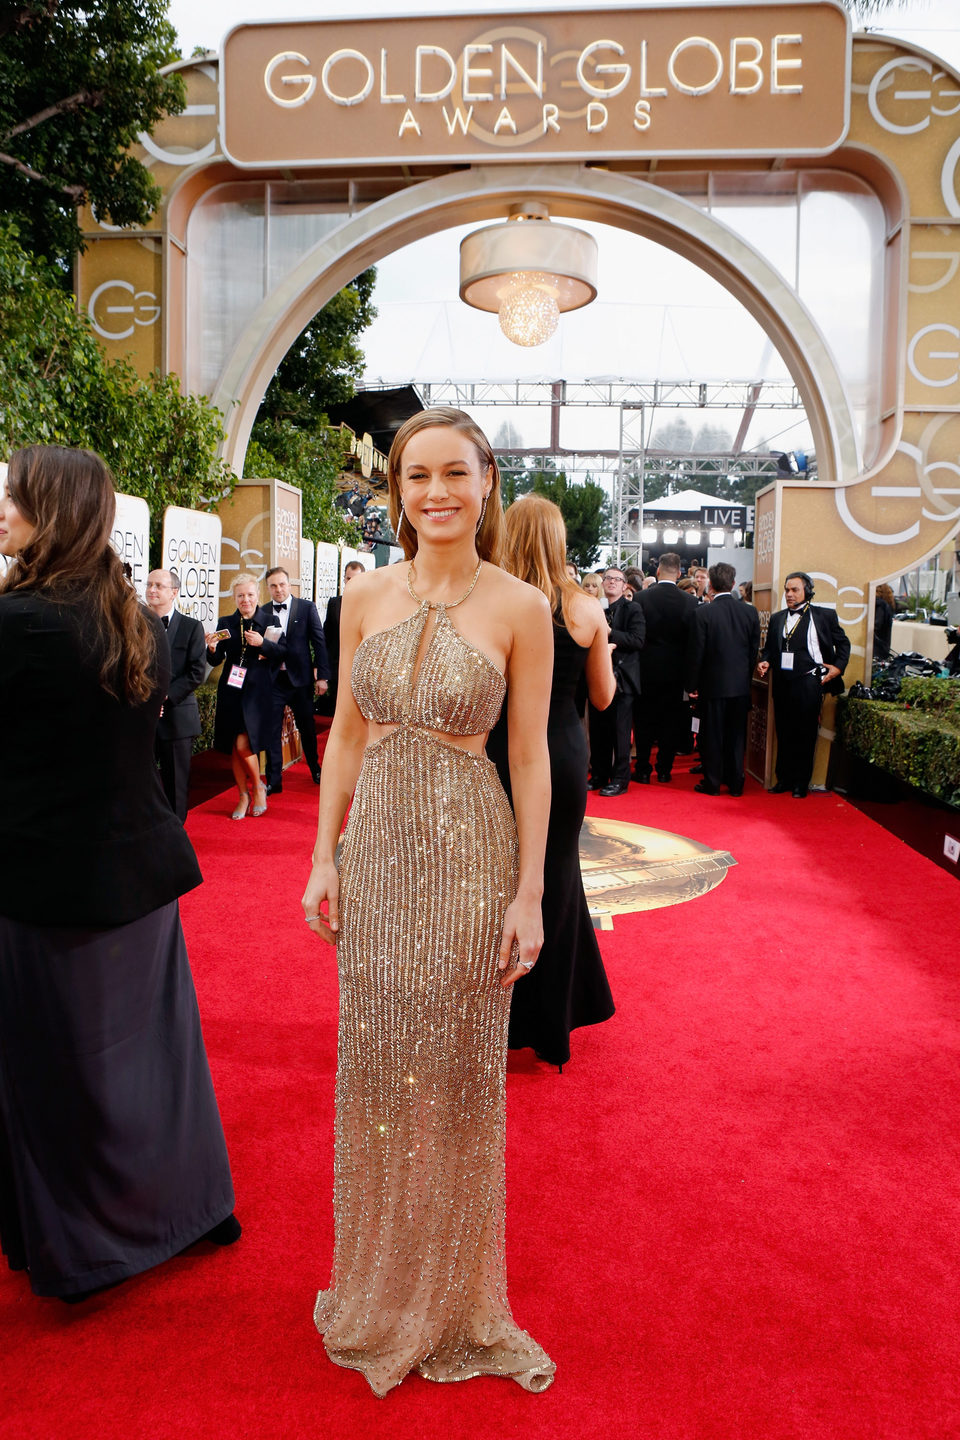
(529,676)
(342,759)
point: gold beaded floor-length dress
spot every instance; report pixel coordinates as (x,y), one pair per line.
(427,869)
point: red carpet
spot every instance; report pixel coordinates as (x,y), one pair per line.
(733,1217)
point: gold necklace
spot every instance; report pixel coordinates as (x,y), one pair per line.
(436,604)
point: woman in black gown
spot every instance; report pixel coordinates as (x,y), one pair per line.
(568,987)
(112,1156)
(242,725)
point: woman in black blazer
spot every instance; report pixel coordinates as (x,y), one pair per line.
(112,1156)
(244,695)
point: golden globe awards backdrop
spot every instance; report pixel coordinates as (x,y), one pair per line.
(191,546)
(261,528)
(327,575)
(306,569)
(130,538)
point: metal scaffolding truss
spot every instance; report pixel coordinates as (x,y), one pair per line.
(653,394)
(684,466)
(637,401)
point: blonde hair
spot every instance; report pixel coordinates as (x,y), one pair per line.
(537,549)
(490,535)
(245,580)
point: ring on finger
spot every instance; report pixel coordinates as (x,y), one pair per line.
(526,964)
(308,918)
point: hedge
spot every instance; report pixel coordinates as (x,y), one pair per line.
(916,739)
(207,704)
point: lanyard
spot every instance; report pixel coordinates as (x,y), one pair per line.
(788,635)
(244,627)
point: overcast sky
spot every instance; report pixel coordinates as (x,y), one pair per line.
(679,325)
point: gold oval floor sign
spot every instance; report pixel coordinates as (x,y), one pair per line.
(628,868)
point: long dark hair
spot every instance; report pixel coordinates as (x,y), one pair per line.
(491,535)
(68,497)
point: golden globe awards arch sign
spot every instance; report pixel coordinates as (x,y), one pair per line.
(703,80)
(191,546)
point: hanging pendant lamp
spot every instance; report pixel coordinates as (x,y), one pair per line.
(528,270)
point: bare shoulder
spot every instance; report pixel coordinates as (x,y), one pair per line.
(585,611)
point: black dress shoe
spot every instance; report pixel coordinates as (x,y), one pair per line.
(596,784)
(696,769)
(664,779)
(800,792)
(315,775)
(705,790)
(641,779)
(614,790)
(780,788)
(275,789)
(736,791)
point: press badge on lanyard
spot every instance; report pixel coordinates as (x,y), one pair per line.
(786,660)
(236,676)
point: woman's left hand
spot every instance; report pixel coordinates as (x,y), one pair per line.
(521,941)
(254,638)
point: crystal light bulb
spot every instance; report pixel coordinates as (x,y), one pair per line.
(529,313)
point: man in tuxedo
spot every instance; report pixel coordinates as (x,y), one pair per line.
(302,671)
(331,628)
(658,711)
(610,728)
(180,717)
(806,653)
(722,651)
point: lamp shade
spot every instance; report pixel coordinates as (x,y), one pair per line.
(557,255)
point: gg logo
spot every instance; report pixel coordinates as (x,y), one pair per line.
(939,88)
(143,312)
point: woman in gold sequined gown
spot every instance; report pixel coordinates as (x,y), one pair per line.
(436,915)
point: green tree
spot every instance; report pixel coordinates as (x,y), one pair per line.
(57,387)
(292,439)
(79,80)
(585,510)
(324,363)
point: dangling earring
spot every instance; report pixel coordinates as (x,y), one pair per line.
(483,511)
(401,520)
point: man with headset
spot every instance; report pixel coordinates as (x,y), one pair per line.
(806,652)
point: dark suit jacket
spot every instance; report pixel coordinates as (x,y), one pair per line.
(188,664)
(87,838)
(834,645)
(627,631)
(668,613)
(303,648)
(331,634)
(722,650)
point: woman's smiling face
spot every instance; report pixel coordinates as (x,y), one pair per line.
(443,483)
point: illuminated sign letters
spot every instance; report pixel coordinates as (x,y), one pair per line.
(705,80)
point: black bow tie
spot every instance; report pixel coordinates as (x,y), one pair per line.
(278,608)
(165,621)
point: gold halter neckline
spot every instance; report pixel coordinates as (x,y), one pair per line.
(438,604)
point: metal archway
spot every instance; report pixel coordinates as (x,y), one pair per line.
(572,190)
